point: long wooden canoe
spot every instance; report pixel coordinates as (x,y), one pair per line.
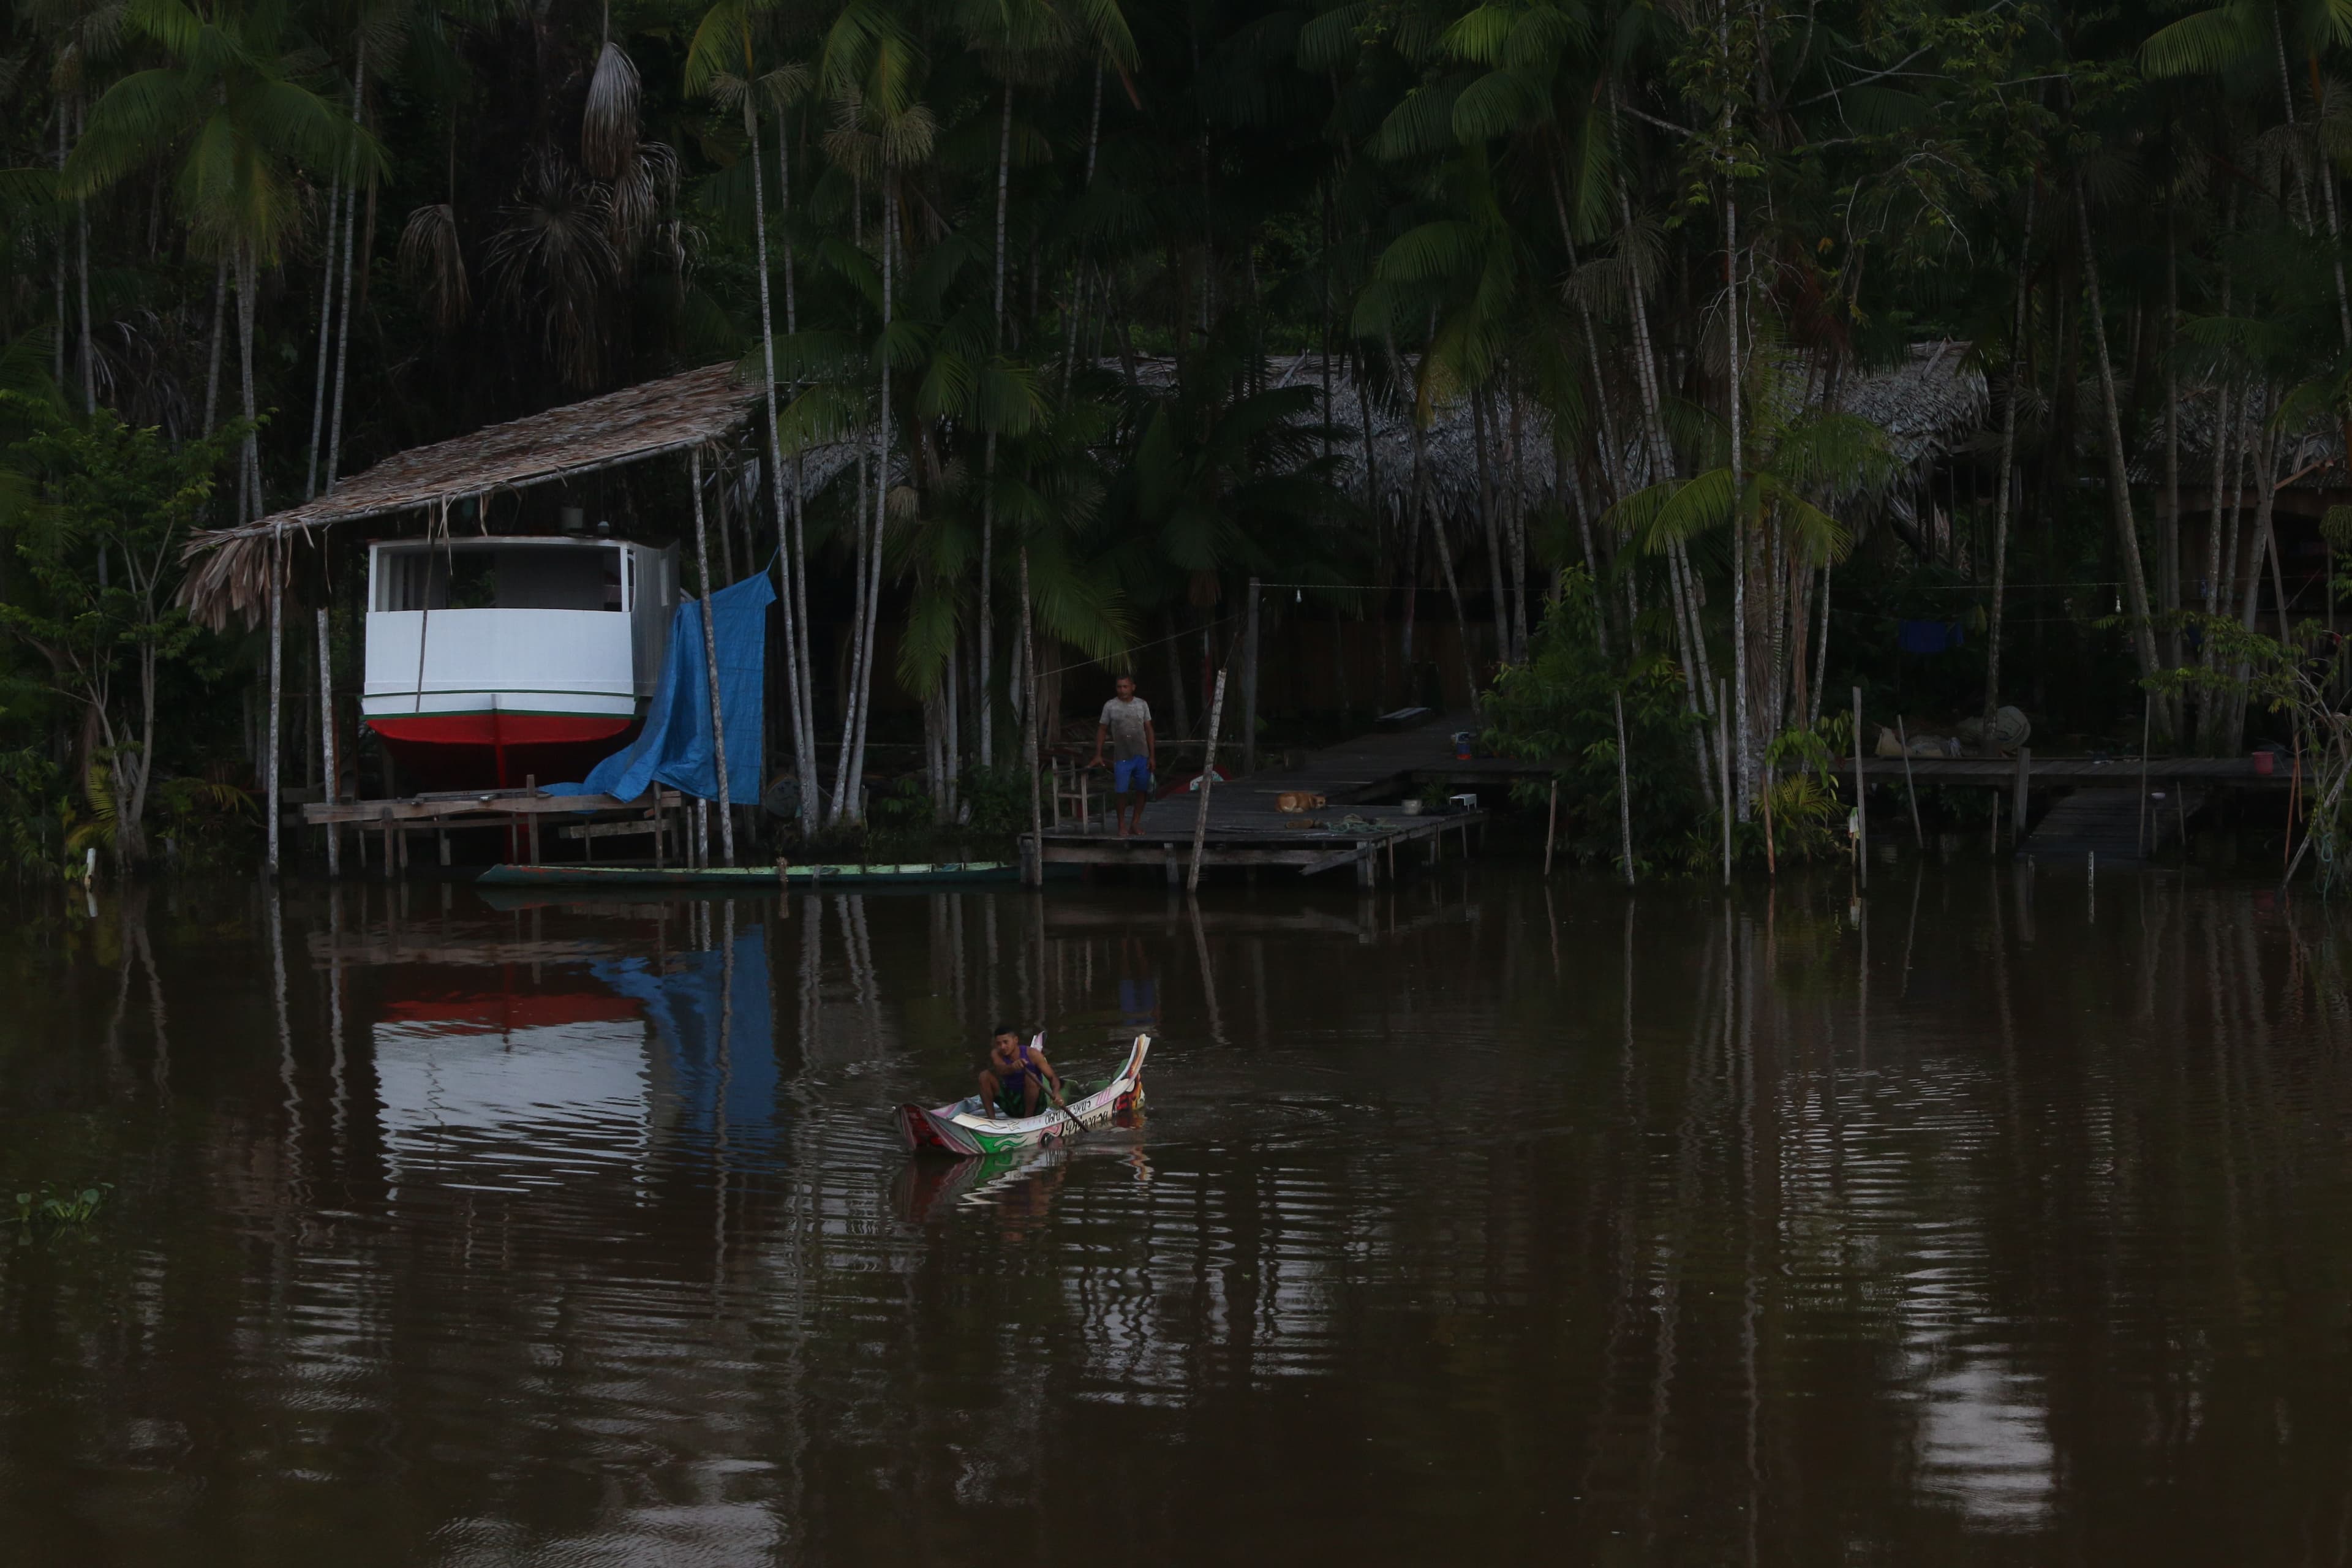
(842,878)
(950,1130)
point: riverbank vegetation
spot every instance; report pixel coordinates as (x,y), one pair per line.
(1963,353)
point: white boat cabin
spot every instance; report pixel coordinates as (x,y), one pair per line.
(507,640)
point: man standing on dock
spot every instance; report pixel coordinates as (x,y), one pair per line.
(1125,723)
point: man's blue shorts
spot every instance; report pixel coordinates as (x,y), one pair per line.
(1130,776)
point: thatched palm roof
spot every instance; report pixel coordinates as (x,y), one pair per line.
(2310,458)
(232,564)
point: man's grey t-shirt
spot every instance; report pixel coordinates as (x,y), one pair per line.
(1125,718)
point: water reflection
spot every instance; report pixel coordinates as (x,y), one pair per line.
(1473,1217)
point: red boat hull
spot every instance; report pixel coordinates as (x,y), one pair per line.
(500,751)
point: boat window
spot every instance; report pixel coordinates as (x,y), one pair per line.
(543,578)
(560,579)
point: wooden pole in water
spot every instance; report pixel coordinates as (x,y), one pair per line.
(1903,738)
(1208,777)
(2293,799)
(1624,800)
(327,746)
(710,661)
(2018,801)
(2147,716)
(1860,817)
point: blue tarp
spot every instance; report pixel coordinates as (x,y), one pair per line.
(718,1044)
(674,748)
(1922,637)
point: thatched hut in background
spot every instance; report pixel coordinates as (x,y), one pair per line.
(2223,518)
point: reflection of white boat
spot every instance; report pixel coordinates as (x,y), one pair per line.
(496,659)
(514,1086)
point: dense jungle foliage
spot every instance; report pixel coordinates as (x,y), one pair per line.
(1052,268)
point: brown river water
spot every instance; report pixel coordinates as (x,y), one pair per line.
(1999,1218)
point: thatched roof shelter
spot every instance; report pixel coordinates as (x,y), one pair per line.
(1929,405)
(231,572)
(2311,469)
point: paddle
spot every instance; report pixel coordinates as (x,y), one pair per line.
(1060,1104)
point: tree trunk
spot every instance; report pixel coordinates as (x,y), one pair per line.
(1489,523)
(251,484)
(81,228)
(1249,682)
(1454,592)
(799,667)
(987,715)
(862,695)
(2007,471)
(710,653)
(2118,476)
(1742,544)
(351,234)
(1031,721)
(2168,515)
(326,336)
(213,354)
(1699,683)
(57,347)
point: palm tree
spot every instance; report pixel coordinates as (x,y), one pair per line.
(231,113)
(1793,465)
(723,62)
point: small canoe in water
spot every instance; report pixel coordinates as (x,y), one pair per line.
(954,1130)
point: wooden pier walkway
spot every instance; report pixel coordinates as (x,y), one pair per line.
(659,813)
(1248,828)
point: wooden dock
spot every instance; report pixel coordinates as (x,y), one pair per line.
(1247,829)
(658,813)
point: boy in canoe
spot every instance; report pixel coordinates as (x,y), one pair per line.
(1126,724)
(1016,1075)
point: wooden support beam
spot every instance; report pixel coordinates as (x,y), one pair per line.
(1353,852)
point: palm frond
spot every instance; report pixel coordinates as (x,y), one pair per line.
(608,122)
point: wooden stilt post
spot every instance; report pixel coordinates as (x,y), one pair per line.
(530,794)
(1208,783)
(710,665)
(1903,738)
(2017,804)
(328,791)
(2147,719)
